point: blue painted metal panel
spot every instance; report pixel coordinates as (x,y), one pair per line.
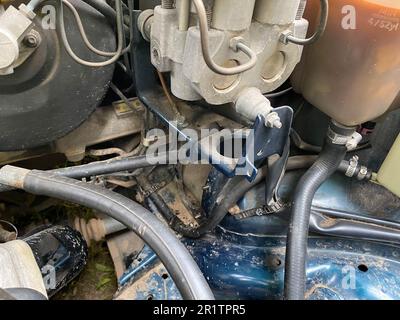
(337,269)
(244,259)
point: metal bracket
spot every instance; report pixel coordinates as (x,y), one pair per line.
(267,142)
(261,143)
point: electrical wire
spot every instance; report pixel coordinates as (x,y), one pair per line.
(128,62)
(90,63)
(122,96)
(320,29)
(165,89)
(169,96)
(240,46)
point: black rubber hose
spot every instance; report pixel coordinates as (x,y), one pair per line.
(233,191)
(296,250)
(305,162)
(172,253)
(107,167)
(102,167)
(132,163)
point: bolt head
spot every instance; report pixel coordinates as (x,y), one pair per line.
(31,41)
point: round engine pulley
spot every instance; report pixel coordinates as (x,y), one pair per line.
(50,94)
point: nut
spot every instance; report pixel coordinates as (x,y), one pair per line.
(31,40)
(285,36)
(272,120)
(234,43)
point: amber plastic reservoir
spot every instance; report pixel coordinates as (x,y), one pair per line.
(353,72)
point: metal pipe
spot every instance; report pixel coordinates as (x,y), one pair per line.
(205,46)
(184,15)
(320,28)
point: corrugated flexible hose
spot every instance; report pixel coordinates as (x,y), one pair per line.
(296,250)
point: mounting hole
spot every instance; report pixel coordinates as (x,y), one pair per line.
(274,262)
(165,276)
(277,262)
(363,268)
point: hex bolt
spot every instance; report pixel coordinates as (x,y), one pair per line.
(31,40)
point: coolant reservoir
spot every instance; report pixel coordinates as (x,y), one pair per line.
(353,72)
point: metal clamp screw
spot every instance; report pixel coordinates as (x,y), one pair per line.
(363,173)
(351,170)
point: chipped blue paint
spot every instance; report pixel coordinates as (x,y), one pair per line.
(236,271)
(158,285)
(145,260)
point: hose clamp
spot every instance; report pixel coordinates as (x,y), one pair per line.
(352,169)
(351,142)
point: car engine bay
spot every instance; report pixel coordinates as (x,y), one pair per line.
(217,149)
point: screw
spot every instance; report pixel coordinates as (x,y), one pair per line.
(354,160)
